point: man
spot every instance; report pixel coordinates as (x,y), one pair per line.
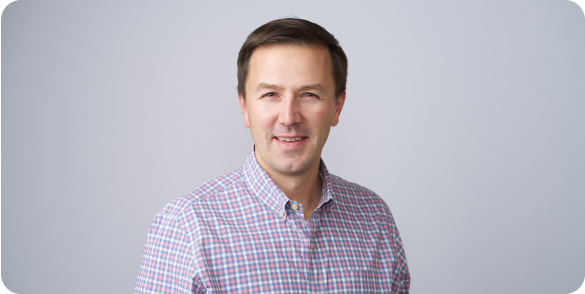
(281,223)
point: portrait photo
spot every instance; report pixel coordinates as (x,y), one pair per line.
(447,157)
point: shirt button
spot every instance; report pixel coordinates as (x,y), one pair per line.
(312,246)
(282,214)
(295,206)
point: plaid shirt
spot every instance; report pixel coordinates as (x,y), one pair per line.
(240,234)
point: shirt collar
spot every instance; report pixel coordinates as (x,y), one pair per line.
(264,188)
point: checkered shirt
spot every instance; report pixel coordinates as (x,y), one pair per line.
(240,233)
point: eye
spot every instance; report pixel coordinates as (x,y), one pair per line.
(271,94)
(309,95)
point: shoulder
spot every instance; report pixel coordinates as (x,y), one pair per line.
(360,204)
(209,191)
(355,195)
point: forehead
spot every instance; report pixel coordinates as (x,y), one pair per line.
(290,63)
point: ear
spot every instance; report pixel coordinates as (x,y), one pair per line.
(338,106)
(244,109)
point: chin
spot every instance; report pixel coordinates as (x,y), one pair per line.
(291,167)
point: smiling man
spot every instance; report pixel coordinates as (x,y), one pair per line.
(281,223)
(291,105)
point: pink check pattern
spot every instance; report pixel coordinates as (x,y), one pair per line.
(239,233)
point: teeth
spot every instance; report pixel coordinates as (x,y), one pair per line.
(289,139)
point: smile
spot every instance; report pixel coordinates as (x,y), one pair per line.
(289,139)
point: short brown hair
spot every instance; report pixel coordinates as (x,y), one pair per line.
(293,31)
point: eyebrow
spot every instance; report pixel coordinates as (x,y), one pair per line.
(315,86)
(267,86)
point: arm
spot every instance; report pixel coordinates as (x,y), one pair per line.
(393,253)
(167,261)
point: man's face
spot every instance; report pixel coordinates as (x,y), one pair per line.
(290,106)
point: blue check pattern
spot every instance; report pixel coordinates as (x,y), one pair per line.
(239,233)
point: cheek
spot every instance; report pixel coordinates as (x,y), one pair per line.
(262,119)
(320,122)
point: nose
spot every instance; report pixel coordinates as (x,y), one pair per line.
(289,113)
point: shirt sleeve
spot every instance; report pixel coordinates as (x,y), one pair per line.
(167,261)
(393,253)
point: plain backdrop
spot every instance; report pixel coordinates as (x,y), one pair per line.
(466,117)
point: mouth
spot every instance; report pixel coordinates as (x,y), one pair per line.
(288,139)
(290,142)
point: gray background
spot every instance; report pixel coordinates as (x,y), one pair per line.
(467,117)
